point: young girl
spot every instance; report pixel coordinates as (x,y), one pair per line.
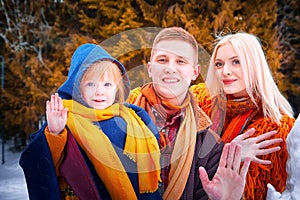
(243,95)
(93,146)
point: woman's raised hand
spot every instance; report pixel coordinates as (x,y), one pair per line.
(256,146)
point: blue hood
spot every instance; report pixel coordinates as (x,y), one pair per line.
(83,57)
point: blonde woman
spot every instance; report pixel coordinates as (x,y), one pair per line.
(240,94)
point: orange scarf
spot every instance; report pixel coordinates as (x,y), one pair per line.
(183,153)
(148,100)
(230,117)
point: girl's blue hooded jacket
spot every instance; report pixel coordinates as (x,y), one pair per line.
(36,160)
(83,57)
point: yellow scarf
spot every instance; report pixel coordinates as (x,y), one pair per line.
(141,146)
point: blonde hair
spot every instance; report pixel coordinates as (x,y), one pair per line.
(176,33)
(97,71)
(257,75)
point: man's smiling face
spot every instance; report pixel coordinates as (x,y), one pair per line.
(172,68)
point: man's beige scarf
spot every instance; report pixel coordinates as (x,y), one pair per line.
(182,156)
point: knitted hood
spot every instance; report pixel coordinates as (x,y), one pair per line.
(83,57)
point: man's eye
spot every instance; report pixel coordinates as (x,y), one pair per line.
(161,60)
(181,62)
(107,84)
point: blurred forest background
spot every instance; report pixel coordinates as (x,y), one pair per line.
(38,38)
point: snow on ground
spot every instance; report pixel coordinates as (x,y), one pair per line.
(12,180)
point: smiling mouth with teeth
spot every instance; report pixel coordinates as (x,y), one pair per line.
(168,80)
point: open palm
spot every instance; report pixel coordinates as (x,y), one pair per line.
(229,180)
(56,114)
(256,146)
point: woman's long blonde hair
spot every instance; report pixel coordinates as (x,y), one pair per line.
(257,75)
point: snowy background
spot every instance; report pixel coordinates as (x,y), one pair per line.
(12,180)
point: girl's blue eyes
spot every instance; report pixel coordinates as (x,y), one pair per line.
(107,84)
(91,84)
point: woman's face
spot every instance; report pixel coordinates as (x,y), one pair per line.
(229,71)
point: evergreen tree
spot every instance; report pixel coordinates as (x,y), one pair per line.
(35,65)
(39,38)
(288,25)
(111,22)
(24,33)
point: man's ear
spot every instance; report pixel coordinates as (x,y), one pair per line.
(196,72)
(149,69)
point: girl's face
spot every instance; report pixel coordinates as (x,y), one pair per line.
(229,71)
(171,69)
(98,93)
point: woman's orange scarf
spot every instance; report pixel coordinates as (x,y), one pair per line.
(231,116)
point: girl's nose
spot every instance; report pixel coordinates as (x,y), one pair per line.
(99,90)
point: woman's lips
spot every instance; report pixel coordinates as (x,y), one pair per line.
(228,81)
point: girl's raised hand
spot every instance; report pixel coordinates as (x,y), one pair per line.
(56,114)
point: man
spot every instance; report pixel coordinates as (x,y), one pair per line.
(186,141)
